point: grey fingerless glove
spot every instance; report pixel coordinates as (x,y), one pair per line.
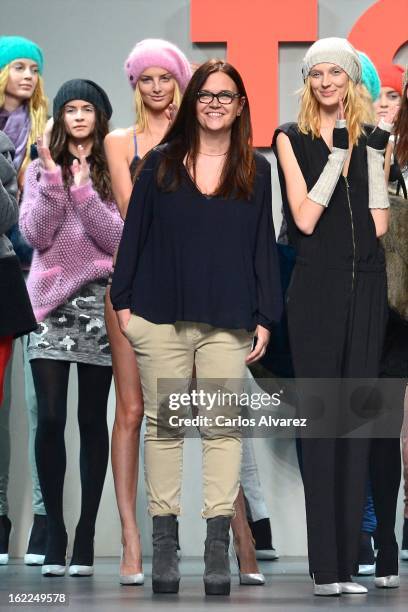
(322,191)
(377,187)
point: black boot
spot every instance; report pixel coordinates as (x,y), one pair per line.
(37,542)
(82,560)
(262,534)
(404,545)
(5,529)
(366,559)
(387,559)
(56,551)
(217,575)
(165,571)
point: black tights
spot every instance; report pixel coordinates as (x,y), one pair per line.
(385,474)
(51,386)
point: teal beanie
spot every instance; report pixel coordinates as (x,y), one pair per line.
(370,76)
(17,47)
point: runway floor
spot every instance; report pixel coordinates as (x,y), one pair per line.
(287,588)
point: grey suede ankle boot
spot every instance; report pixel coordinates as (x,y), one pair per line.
(217,575)
(165,571)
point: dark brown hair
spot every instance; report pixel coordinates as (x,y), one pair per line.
(99,168)
(401,131)
(182,140)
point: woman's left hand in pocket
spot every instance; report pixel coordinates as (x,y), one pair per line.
(123,319)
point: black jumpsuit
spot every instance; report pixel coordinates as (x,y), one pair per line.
(337,315)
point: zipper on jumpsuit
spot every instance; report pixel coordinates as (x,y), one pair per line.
(352,231)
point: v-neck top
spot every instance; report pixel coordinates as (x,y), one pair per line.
(185,256)
(345,235)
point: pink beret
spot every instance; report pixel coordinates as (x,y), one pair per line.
(161,53)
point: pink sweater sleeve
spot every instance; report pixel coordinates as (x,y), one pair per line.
(100,219)
(43,208)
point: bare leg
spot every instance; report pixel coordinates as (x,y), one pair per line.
(125,439)
(243,541)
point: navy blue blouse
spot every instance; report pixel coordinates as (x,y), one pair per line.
(185,256)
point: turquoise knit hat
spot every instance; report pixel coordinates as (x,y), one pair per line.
(370,76)
(17,47)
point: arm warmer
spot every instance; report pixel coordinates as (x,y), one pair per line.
(377,187)
(322,190)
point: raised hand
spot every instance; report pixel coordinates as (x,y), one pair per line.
(46,161)
(340,132)
(340,110)
(80,169)
(47,132)
(171,112)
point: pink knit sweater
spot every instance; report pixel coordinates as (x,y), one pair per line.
(74,235)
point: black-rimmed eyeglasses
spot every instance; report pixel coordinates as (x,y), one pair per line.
(223,97)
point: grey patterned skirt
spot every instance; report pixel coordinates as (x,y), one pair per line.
(75,331)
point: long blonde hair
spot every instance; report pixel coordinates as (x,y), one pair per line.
(141,112)
(309,115)
(369,115)
(37,109)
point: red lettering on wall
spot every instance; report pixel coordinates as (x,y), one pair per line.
(381,30)
(252,31)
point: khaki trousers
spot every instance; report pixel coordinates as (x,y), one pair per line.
(169,351)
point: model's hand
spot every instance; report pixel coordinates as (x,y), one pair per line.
(80,169)
(46,161)
(379,137)
(123,318)
(340,110)
(340,132)
(47,132)
(171,112)
(262,335)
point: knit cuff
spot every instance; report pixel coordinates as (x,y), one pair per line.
(379,137)
(377,187)
(340,123)
(323,189)
(51,177)
(82,192)
(383,125)
(340,135)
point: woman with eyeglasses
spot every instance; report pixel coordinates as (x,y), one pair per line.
(196,278)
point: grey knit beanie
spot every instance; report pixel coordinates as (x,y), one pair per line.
(333,51)
(82,89)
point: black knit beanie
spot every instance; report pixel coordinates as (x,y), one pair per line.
(82,89)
